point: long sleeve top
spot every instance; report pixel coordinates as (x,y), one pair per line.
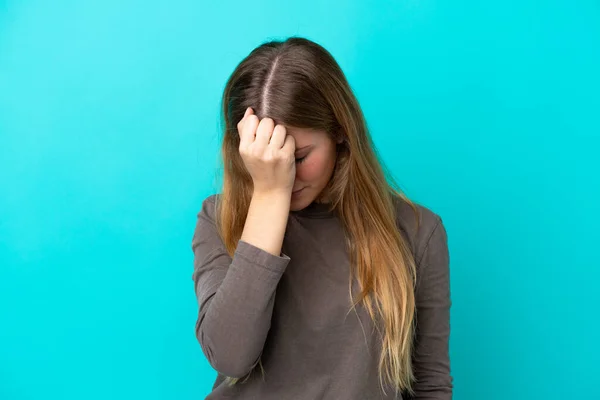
(292,312)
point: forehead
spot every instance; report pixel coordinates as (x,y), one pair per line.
(306,136)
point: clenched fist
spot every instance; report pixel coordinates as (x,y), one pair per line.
(268,154)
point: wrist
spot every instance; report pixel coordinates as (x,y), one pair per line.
(272,194)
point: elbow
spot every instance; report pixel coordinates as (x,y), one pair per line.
(224,359)
(231,370)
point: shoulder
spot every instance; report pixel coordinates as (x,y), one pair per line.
(418,225)
(209,207)
(205,226)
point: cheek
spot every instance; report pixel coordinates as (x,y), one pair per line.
(314,169)
(307,172)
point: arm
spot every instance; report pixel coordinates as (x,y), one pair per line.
(236,295)
(431,359)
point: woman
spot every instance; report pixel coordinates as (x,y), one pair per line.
(315,277)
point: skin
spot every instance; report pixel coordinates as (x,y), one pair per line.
(315,155)
(289,168)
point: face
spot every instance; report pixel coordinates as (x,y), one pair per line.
(315,161)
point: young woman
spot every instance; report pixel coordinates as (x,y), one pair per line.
(315,277)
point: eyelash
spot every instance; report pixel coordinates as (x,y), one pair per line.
(300,160)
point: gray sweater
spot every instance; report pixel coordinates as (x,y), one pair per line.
(292,312)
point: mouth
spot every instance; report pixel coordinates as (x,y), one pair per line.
(297,192)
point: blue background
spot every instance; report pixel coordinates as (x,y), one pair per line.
(486,112)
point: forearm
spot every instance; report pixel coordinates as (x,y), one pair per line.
(267,220)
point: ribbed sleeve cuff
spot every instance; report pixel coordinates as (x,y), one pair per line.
(254,255)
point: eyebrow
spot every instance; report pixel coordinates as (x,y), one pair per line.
(305,147)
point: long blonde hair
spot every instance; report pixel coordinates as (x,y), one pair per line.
(297,82)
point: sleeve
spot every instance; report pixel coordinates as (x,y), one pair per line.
(235,297)
(431,358)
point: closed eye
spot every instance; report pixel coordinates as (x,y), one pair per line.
(300,160)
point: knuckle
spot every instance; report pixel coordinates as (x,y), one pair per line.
(285,156)
(256,153)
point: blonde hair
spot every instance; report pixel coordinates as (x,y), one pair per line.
(297,82)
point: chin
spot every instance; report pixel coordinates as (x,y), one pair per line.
(300,203)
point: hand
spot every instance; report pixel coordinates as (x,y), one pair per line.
(268,154)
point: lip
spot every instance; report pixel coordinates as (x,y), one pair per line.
(297,192)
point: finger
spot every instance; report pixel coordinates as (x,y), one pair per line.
(289,147)
(264,132)
(248,131)
(240,124)
(278,137)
